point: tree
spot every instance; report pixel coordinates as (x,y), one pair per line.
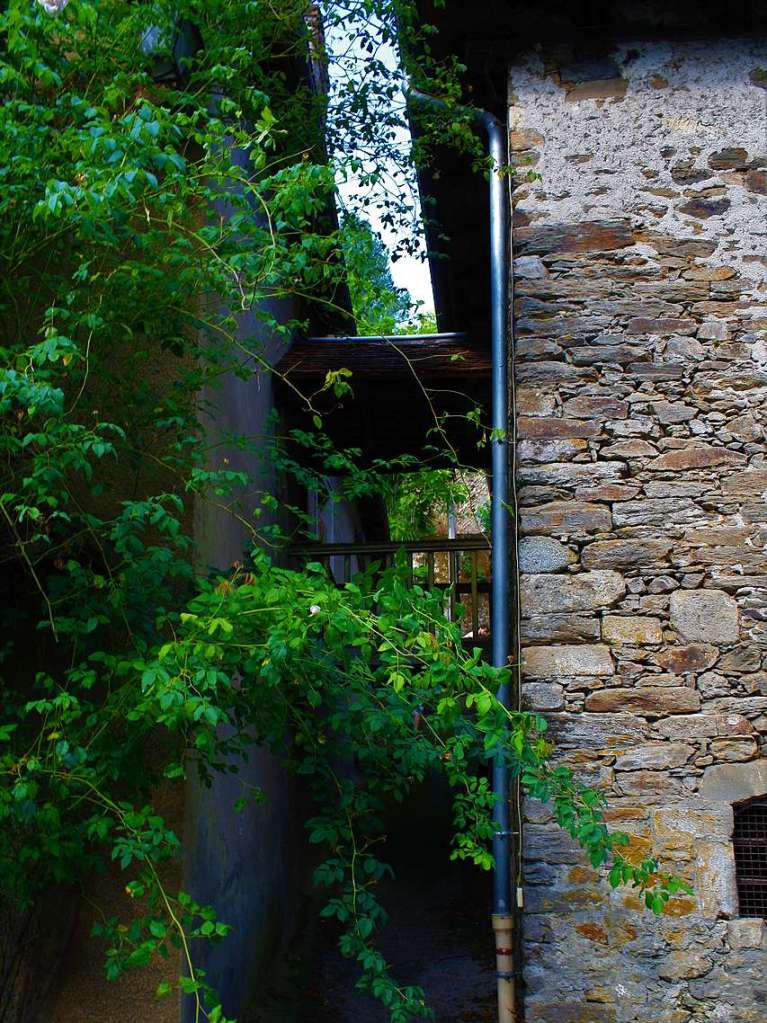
(379,307)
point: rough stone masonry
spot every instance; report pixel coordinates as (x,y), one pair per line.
(641,379)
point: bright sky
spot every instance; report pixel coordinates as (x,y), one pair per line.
(408,272)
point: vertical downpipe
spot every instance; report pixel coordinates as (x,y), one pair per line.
(503,911)
(500,228)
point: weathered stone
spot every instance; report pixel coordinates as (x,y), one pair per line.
(570,324)
(633,631)
(665,679)
(651,786)
(743,659)
(550,450)
(531,305)
(756,181)
(662,584)
(711,685)
(550,844)
(588,236)
(559,628)
(685,173)
(746,428)
(609,732)
(607,492)
(683,965)
(745,933)
(585,591)
(695,456)
(567,473)
(708,273)
(663,512)
(746,483)
(686,350)
(660,326)
(746,558)
(676,488)
(716,879)
(693,824)
(630,449)
(529,427)
(542,696)
(531,401)
(734,783)
(654,756)
(681,659)
(536,348)
(713,330)
(578,1011)
(733,750)
(740,582)
(708,616)
(655,370)
(701,726)
(726,534)
(729,158)
(611,88)
(625,553)
(755,683)
(563,661)
(543,554)
(751,706)
(702,209)
(525,158)
(593,932)
(593,407)
(530,268)
(545,370)
(589,70)
(686,248)
(593,355)
(650,701)
(715,308)
(566,517)
(525,138)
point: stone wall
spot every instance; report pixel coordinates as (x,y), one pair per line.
(641,377)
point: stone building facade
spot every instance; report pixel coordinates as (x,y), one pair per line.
(641,398)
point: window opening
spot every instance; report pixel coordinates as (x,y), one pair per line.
(750,845)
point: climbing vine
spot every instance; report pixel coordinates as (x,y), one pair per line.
(152,196)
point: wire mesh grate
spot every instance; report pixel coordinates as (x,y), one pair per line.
(750,845)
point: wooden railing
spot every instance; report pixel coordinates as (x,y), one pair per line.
(460,568)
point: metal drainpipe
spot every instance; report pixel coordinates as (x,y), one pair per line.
(500,232)
(503,910)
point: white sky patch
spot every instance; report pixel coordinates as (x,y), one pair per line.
(409,272)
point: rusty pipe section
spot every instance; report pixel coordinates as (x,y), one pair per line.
(503,930)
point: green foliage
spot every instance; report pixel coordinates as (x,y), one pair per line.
(416,500)
(374,686)
(140,225)
(379,307)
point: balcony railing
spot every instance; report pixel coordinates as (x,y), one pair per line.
(460,568)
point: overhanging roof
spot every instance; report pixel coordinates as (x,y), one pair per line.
(402,386)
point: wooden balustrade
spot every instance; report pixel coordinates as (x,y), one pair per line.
(460,568)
